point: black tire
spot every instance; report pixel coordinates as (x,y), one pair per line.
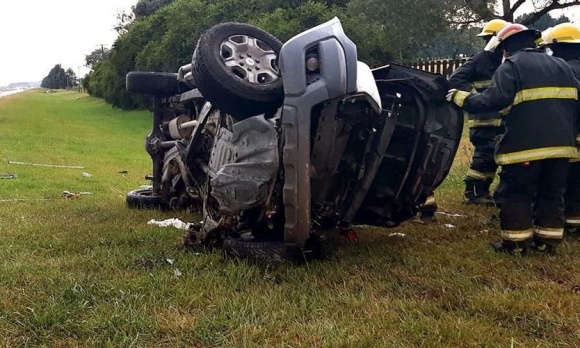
(145,199)
(152,83)
(221,86)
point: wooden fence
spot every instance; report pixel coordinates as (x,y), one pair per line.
(441,66)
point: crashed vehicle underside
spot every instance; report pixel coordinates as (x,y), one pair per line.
(276,144)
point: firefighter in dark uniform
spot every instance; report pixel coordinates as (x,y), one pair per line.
(538,95)
(564,42)
(475,76)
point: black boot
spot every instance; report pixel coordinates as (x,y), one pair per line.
(516,249)
(477,193)
(545,248)
(427,216)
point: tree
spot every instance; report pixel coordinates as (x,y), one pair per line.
(58,78)
(285,22)
(473,11)
(97,56)
(394,30)
(142,9)
(545,22)
(124,21)
(145,8)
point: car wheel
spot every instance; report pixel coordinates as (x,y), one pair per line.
(235,67)
(145,199)
(152,83)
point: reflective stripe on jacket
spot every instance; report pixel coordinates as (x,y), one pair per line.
(541,95)
(475,76)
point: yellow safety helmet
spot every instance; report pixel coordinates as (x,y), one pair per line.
(493,27)
(561,33)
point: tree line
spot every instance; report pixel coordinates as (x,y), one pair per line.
(160,35)
(58,78)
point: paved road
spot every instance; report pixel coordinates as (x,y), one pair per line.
(3,94)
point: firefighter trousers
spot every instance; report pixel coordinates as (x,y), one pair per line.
(428,209)
(573,195)
(533,201)
(483,167)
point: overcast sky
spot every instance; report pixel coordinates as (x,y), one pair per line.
(35,35)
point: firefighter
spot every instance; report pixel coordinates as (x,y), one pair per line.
(476,74)
(538,95)
(563,41)
(484,127)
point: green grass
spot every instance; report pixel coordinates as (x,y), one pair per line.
(89,272)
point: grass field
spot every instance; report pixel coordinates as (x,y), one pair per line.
(88,272)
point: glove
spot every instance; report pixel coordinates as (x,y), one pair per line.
(457,97)
(450,94)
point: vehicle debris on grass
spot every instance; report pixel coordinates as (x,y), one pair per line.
(69,194)
(398,234)
(450,214)
(8,176)
(174,222)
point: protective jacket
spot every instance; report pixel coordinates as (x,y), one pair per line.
(538,94)
(575,66)
(572,197)
(475,76)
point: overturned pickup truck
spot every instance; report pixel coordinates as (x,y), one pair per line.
(277,143)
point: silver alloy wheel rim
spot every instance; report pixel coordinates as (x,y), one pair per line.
(250,59)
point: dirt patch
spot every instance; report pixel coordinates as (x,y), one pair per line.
(173,319)
(464,152)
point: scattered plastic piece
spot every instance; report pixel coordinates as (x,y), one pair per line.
(44,165)
(69,194)
(177,273)
(8,176)
(87,175)
(401,235)
(170,261)
(418,221)
(449,226)
(170,222)
(449,214)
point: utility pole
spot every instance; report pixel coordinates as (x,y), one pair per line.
(102,51)
(79,78)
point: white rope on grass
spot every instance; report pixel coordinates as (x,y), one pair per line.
(45,165)
(26,200)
